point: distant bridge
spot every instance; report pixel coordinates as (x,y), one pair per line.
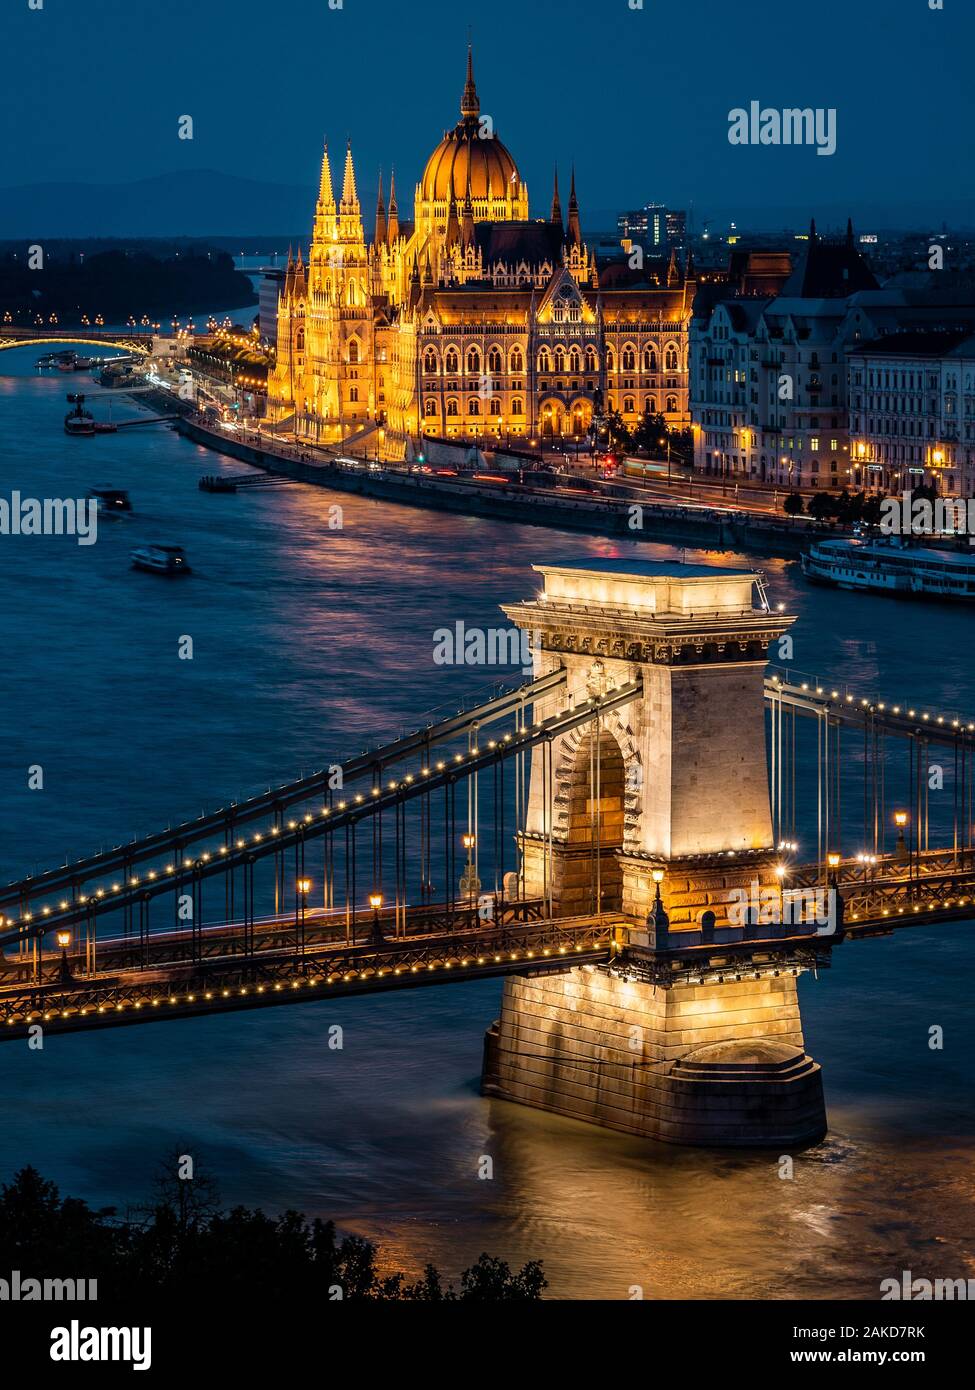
(134,340)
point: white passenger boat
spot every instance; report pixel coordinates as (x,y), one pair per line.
(160,559)
(890,567)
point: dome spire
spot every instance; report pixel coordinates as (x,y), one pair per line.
(470,106)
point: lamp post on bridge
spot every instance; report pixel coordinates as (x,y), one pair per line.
(470,884)
(304,886)
(64,974)
(376,902)
(901,852)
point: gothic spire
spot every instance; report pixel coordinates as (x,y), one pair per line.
(467,226)
(350,198)
(393,210)
(325,195)
(381,229)
(575,226)
(470,106)
(556,214)
(453,224)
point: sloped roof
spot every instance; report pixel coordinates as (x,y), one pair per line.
(512,242)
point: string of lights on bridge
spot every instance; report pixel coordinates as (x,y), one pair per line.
(273,832)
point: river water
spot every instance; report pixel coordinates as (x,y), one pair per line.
(310,643)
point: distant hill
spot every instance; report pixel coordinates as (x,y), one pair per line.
(205,203)
(199,202)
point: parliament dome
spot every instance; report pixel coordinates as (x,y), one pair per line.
(464,153)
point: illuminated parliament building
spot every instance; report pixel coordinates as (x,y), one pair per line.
(472,321)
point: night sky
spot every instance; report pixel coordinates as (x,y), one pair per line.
(93,90)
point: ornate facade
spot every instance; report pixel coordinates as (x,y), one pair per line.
(472,321)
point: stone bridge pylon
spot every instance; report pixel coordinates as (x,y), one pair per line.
(668,793)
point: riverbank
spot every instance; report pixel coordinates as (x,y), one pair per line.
(700,527)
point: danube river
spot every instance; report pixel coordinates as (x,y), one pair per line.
(310,643)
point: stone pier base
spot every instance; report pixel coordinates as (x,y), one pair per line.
(704,1065)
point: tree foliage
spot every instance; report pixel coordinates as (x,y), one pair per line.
(183,1244)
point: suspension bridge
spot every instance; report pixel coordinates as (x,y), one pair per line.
(590,835)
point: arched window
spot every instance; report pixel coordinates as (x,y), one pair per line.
(629,359)
(629,405)
(300,340)
(672,406)
(430,408)
(452,364)
(560,358)
(353,393)
(354,352)
(610,360)
(671,358)
(592,361)
(430,362)
(495,361)
(575,361)
(473,406)
(473,362)
(495,406)
(651,404)
(545,360)
(451,407)
(650,359)
(517,361)
(517,408)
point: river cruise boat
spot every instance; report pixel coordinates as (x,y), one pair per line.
(160,559)
(890,567)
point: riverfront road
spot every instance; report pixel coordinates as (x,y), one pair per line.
(676,523)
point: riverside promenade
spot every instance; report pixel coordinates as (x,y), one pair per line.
(630,514)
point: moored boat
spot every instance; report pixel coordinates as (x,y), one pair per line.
(887,566)
(79,420)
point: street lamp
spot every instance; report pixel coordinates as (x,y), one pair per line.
(900,820)
(469,883)
(304,888)
(833,860)
(376,902)
(64,941)
(658,923)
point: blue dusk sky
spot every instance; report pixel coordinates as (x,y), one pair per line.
(639,98)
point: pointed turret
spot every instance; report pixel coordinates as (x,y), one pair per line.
(470,106)
(381,229)
(849,233)
(453,225)
(467,224)
(427,270)
(350,199)
(393,210)
(673,271)
(326,198)
(575,226)
(812,229)
(556,213)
